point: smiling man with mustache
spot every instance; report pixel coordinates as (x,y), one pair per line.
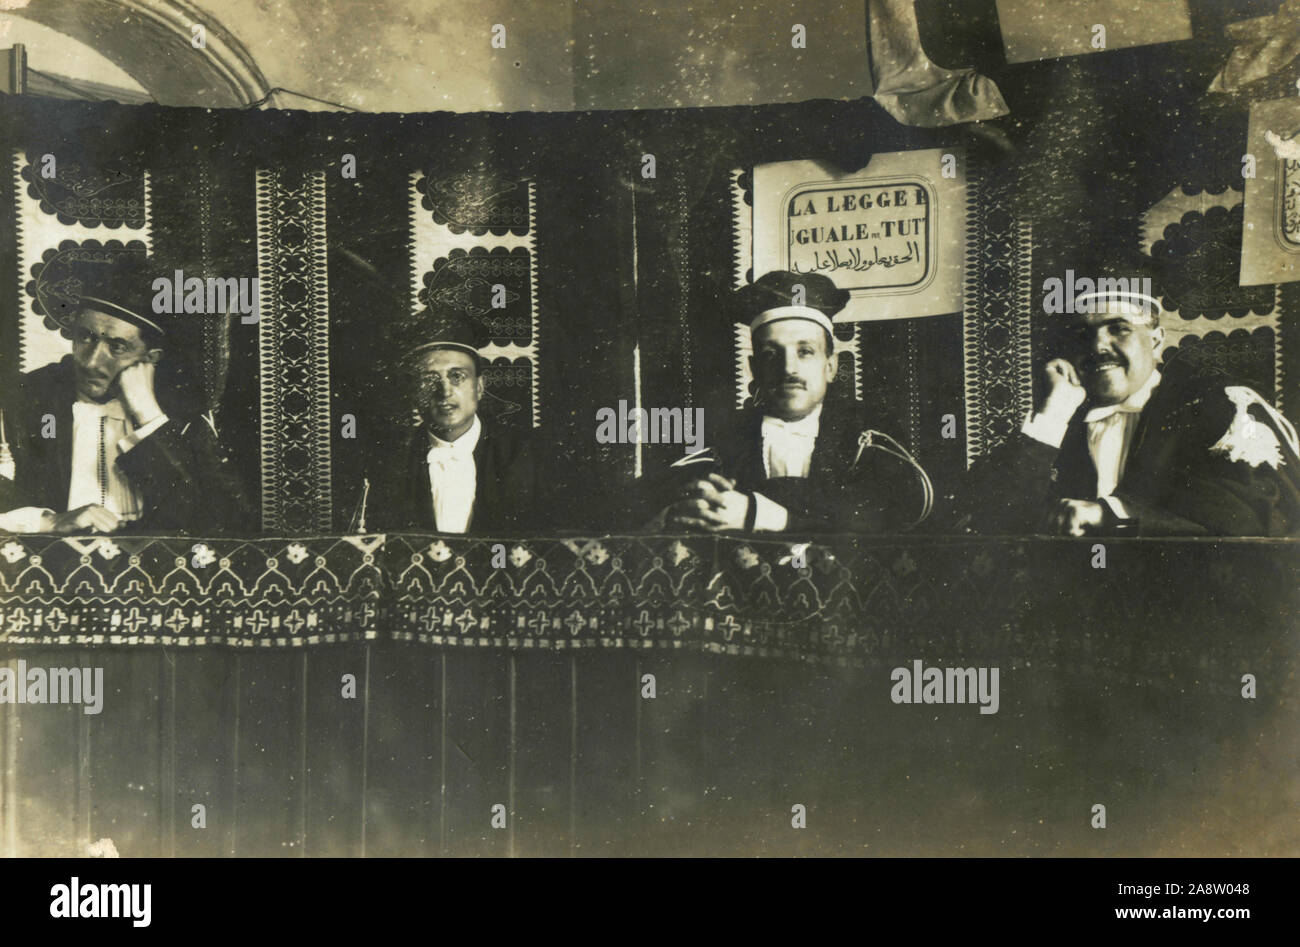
(793,463)
(1121,445)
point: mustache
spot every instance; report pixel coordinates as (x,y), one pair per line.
(1094,362)
(790,381)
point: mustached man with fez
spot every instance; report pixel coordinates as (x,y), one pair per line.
(1119,445)
(98,446)
(459,472)
(792,462)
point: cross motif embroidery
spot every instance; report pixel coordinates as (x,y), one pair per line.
(18,620)
(55,619)
(178,621)
(257,621)
(133,620)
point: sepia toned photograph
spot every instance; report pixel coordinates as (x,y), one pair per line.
(552,428)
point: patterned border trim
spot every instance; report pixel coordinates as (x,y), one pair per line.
(534,350)
(913,388)
(998,364)
(742,230)
(1286,336)
(744,349)
(295,388)
(846,601)
(682,255)
(1279,370)
(141,591)
(20,307)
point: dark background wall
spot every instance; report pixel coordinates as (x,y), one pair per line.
(1091,143)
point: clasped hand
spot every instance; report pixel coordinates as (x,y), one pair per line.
(713,504)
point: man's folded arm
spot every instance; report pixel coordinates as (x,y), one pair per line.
(27,519)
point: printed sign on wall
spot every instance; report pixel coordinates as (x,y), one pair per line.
(893,234)
(1270,243)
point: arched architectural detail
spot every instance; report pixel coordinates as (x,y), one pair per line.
(152,41)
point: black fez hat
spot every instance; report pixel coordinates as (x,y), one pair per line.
(772,297)
(109,278)
(122,289)
(446,330)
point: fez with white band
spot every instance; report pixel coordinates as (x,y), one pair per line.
(1107,303)
(775,297)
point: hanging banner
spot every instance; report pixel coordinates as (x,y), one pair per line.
(893,234)
(1270,240)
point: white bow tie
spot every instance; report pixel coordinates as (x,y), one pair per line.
(804,427)
(1112,410)
(93,409)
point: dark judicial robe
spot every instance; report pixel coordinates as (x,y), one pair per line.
(1178,479)
(179,470)
(879,493)
(505,486)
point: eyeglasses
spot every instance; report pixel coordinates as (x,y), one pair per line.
(456,377)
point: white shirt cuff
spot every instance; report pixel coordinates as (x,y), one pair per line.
(769,516)
(140,433)
(1048,428)
(1116,506)
(25,519)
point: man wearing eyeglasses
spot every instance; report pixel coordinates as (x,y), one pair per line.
(459,474)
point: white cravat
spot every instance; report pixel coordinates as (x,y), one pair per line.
(452,479)
(1110,434)
(100,434)
(788,445)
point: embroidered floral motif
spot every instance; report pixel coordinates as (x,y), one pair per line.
(1248,440)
